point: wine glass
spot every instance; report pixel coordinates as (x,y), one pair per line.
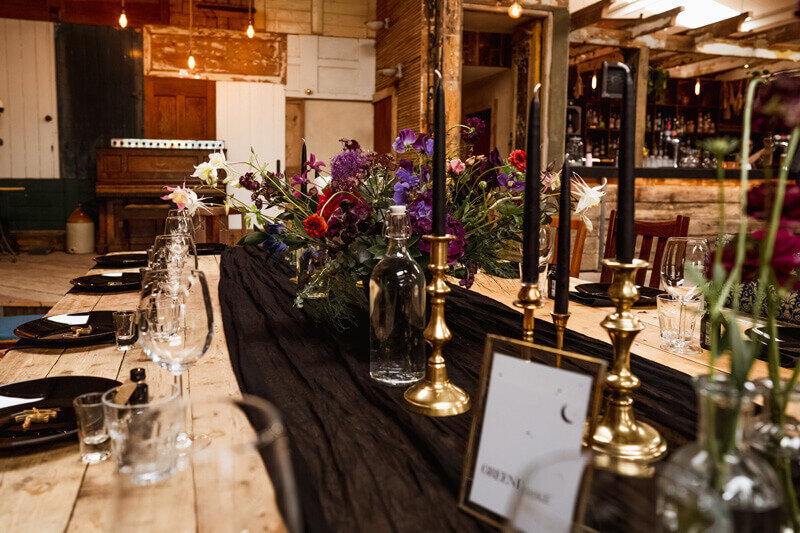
(172,251)
(176,323)
(181,225)
(198,220)
(547,240)
(680,255)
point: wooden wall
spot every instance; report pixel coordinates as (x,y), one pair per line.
(405,42)
(101,12)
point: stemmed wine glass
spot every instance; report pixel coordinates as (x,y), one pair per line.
(181,225)
(680,254)
(175,322)
(172,251)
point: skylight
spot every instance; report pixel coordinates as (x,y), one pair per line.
(696,13)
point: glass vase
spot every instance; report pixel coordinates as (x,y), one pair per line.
(775,433)
(720,460)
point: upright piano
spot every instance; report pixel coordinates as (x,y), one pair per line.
(131,178)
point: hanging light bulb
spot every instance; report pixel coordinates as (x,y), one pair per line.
(191,62)
(123,19)
(250,30)
(697,87)
(746,65)
(594,81)
(515,10)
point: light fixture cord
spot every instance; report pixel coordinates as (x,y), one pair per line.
(191,23)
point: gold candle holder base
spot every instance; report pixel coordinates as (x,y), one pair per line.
(529,299)
(560,322)
(618,434)
(435,394)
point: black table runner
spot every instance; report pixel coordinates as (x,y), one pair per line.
(362,461)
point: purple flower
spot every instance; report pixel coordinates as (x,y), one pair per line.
(510,183)
(406,164)
(405,182)
(312,163)
(470,279)
(404,140)
(421,207)
(348,170)
(423,144)
(456,247)
(777,105)
(476,128)
(350,145)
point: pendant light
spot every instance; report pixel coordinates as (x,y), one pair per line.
(250,30)
(191,61)
(515,10)
(123,19)
(697,87)
(594,81)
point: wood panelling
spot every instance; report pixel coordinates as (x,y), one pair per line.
(221,55)
(295,132)
(178,108)
(206,17)
(382,124)
(404,43)
(251,116)
(101,12)
(29,124)
(92,112)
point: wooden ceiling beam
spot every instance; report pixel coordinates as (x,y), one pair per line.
(723,28)
(786,33)
(743,73)
(594,54)
(705,67)
(678,43)
(589,14)
(680,59)
(655,23)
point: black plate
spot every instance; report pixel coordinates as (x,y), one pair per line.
(47,393)
(788,343)
(647,295)
(109,282)
(210,248)
(49,331)
(126,260)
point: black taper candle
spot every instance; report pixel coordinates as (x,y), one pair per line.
(439,150)
(563,257)
(625,211)
(303,159)
(277,166)
(530,222)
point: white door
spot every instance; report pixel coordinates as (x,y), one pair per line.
(29,123)
(251,115)
(330,68)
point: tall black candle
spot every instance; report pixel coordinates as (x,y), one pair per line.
(563,258)
(625,220)
(530,222)
(439,149)
(277,166)
(303,159)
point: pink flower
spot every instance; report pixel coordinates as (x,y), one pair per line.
(456,166)
(184,198)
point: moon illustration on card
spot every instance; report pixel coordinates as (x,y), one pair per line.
(564,415)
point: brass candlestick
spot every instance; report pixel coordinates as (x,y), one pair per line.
(560,322)
(435,394)
(618,434)
(529,299)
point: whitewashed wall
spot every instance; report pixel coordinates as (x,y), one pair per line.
(251,115)
(28,92)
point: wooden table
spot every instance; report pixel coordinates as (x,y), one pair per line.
(48,489)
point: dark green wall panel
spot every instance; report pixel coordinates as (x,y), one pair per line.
(45,203)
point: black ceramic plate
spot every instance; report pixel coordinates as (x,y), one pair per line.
(788,343)
(126,260)
(55,394)
(109,282)
(210,248)
(74,329)
(647,295)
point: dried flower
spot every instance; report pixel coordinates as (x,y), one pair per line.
(519,159)
(315,226)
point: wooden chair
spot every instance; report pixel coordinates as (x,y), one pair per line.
(659,231)
(579,228)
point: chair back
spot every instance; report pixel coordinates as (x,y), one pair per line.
(658,231)
(579,228)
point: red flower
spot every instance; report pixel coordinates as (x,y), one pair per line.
(519,159)
(315,226)
(785,260)
(325,208)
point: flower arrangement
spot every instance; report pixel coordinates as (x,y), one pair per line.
(335,221)
(767,257)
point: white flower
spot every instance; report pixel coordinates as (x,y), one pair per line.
(588,197)
(207,172)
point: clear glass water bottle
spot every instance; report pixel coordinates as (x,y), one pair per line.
(397,309)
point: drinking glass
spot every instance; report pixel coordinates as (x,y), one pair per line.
(677,337)
(125,329)
(198,221)
(144,435)
(680,255)
(175,322)
(242,481)
(179,225)
(174,251)
(92,434)
(547,240)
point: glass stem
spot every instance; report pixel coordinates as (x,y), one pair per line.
(681,328)
(177,379)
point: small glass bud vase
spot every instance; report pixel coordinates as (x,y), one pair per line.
(397,309)
(720,461)
(775,433)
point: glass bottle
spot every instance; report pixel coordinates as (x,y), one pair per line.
(397,309)
(721,461)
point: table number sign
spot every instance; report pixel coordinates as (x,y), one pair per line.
(529,409)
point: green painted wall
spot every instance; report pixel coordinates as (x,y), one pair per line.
(45,204)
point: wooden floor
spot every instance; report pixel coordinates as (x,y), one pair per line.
(39,280)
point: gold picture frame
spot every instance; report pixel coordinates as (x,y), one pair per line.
(543,355)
